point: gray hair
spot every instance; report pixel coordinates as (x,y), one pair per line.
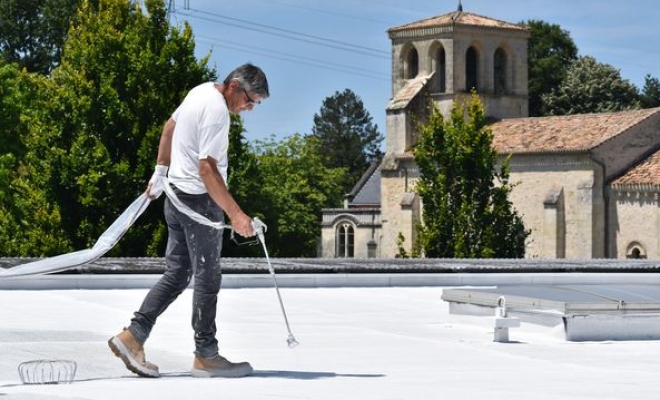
(251,78)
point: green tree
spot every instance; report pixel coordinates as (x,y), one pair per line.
(33,32)
(650,96)
(29,222)
(94,141)
(591,87)
(17,92)
(551,52)
(466,214)
(297,186)
(348,137)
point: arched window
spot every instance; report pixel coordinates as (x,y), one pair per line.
(412,64)
(345,240)
(441,70)
(499,72)
(471,62)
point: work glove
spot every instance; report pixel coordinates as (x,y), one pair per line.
(158,181)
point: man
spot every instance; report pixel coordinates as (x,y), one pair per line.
(194,145)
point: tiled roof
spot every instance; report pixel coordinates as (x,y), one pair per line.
(403,97)
(645,173)
(563,133)
(458,18)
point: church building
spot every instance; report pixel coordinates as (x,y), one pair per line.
(586,185)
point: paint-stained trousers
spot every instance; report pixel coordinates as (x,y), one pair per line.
(192,249)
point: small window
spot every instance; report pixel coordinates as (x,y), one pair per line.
(345,241)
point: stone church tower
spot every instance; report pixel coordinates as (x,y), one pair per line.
(442,59)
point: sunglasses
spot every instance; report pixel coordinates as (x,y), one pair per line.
(250,101)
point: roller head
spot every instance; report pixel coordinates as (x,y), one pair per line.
(291,341)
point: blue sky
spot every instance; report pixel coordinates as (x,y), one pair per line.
(311,49)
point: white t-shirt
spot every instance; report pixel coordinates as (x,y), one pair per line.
(201,131)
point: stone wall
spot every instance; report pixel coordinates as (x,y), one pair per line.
(400,206)
(537,179)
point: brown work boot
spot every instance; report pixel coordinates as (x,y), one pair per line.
(126,347)
(218,366)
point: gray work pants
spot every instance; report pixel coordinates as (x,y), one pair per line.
(192,248)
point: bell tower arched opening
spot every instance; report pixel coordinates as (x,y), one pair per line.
(471,69)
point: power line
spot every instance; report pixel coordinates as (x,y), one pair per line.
(286,33)
(295,58)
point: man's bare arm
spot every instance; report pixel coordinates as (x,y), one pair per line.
(165,144)
(217,189)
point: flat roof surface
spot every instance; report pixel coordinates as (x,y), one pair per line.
(382,343)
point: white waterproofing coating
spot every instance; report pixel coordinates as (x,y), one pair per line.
(106,241)
(190,213)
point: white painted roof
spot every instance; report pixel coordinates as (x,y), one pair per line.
(380,343)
